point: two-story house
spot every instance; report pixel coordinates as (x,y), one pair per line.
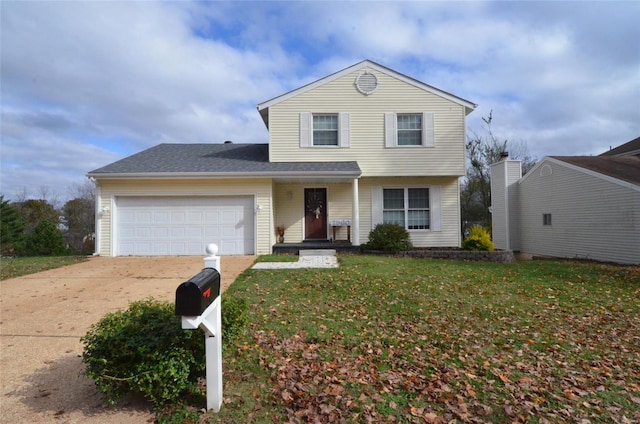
(362,146)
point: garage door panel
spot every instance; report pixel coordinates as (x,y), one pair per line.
(161,233)
(178,217)
(161,217)
(195,217)
(194,232)
(161,248)
(184,226)
(143,217)
(143,232)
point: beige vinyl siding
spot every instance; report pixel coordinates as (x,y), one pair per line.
(448,236)
(592,217)
(289,200)
(367,128)
(110,190)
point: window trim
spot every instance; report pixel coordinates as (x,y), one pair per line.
(435,203)
(407,209)
(400,131)
(307,131)
(314,130)
(391,130)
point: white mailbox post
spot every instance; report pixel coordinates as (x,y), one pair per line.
(199,302)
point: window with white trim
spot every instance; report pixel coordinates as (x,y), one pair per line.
(409,129)
(325,130)
(408,207)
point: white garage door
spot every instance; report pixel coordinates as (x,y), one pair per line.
(157,226)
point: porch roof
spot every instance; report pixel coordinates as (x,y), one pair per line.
(219,160)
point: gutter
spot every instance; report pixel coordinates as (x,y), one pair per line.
(220,175)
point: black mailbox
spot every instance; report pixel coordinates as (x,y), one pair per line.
(193,296)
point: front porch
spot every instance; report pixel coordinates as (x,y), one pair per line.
(295,248)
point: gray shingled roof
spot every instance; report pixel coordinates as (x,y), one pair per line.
(630,148)
(625,168)
(218,159)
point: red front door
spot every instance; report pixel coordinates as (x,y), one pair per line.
(315,215)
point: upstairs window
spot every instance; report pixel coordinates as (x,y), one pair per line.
(546,219)
(325,130)
(407,207)
(409,129)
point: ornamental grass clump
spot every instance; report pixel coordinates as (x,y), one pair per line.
(478,239)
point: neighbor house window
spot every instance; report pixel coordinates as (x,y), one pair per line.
(546,219)
(325,130)
(408,207)
(410,129)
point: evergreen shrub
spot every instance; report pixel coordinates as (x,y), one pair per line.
(390,238)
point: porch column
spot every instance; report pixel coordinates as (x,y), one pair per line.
(355,224)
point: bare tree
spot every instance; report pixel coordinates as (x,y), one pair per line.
(80,214)
(482,151)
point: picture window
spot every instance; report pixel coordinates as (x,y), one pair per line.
(407,207)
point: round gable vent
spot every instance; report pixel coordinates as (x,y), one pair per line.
(366,83)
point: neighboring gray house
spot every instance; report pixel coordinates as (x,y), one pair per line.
(584,207)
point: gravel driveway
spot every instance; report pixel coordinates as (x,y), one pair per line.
(43,316)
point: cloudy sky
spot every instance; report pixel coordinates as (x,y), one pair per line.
(86,83)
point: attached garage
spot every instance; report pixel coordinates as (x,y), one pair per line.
(169,226)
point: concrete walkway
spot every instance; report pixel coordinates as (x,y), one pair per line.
(319,258)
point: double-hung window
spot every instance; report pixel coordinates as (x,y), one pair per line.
(325,130)
(409,129)
(408,207)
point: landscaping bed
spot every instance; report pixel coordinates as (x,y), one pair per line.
(497,256)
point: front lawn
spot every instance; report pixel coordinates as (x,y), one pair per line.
(16,267)
(414,340)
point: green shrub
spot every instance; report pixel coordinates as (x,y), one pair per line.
(45,240)
(390,238)
(478,239)
(144,351)
(235,316)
